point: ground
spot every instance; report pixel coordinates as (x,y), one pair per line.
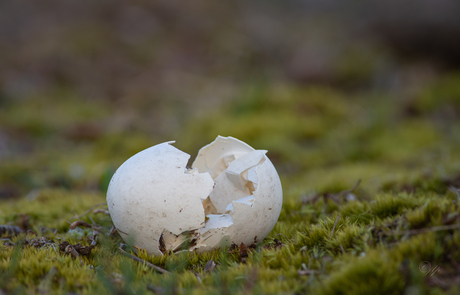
(366,146)
(395,231)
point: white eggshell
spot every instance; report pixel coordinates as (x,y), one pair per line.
(253,222)
(159,205)
(254,215)
(151,193)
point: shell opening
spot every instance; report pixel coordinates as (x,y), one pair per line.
(232,164)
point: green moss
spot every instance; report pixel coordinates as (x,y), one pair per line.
(371,275)
(441,94)
(390,205)
(322,140)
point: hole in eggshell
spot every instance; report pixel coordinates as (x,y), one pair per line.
(162,245)
(209,207)
(194,239)
(246,182)
(251,186)
(176,243)
(242,185)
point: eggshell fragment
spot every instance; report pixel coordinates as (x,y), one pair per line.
(217,233)
(256,202)
(216,156)
(159,205)
(254,222)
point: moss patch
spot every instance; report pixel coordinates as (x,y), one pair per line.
(395,233)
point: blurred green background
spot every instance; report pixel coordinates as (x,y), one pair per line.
(335,91)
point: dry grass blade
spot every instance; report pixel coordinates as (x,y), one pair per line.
(96,228)
(347,191)
(428,229)
(80,223)
(89,210)
(97,211)
(155,289)
(135,258)
(335,224)
(304,272)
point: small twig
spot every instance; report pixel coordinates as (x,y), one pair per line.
(94,241)
(53,245)
(101,211)
(347,191)
(304,272)
(120,231)
(87,211)
(112,231)
(428,229)
(335,197)
(96,231)
(341,248)
(154,289)
(32,232)
(335,223)
(135,258)
(80,223)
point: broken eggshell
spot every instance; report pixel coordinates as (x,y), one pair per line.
(232,194)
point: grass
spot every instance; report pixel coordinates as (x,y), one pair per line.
(377,239)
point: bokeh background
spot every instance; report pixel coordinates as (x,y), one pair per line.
(335,90)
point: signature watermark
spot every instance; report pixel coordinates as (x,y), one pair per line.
(426,269)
